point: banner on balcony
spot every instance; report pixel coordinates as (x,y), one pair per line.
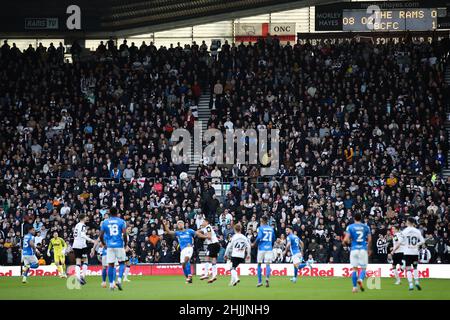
(251,32)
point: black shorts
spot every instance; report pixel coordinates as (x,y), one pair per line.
(236,261)
(411,259)
(81,253)
(213,250)
(128,255)
(397,258)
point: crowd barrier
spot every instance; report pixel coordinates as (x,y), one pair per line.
(432,271)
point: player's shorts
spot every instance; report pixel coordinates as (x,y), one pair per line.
(59,258)
(104,260)
(359,258)
(410,259)
(29,260)
(265,257)
(81,253)
(397,259)
(213,250)
(235,262)
(186,252)
(115,254)
(297,258)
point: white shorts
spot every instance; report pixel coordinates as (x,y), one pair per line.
(186,252)
(114,254)
(297,258)
(359,258)
(29,260)
(265,257)
(104,261)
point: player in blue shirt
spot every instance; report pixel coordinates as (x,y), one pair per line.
(185,238)
(29,250)
(296,246)
(264,241)
(358,235)
(113,236)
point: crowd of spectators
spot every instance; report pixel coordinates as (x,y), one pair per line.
(361,130)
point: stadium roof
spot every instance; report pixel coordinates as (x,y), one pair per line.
(129,17)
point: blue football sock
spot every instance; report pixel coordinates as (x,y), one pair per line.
(267,271)
(25,273)
(354,277)
(188,269)
(301,266)
(295,272)
(121,269)
(111,274)
(104,273)
(259,269)
(184,270)
(34,266)
(362,275)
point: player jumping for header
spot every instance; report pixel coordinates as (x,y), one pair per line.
(185,239)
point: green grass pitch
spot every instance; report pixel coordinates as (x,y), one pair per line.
(174,287)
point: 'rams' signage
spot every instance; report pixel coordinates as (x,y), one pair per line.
(41,23)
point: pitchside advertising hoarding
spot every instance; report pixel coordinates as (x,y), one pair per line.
(251,32)
(432,271)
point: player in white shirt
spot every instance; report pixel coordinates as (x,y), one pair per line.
(238,250)
(213,247)
(397,257)
(412,239)
(80,248)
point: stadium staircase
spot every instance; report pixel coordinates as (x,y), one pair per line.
(203,117)
(446,172)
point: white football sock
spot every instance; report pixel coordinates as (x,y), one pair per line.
(396,274)
(233,275)
(77,271)
(127,270)
(214,270)
(206,270)
(416,275)
(409,276)
(84,270)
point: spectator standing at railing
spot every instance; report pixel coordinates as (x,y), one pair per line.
(321,254)
(382,251)
(430,243)
(441,250)
(154,240)
(335,254)
(424,255)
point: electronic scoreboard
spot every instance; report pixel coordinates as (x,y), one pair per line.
(381,16)
(389,20)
